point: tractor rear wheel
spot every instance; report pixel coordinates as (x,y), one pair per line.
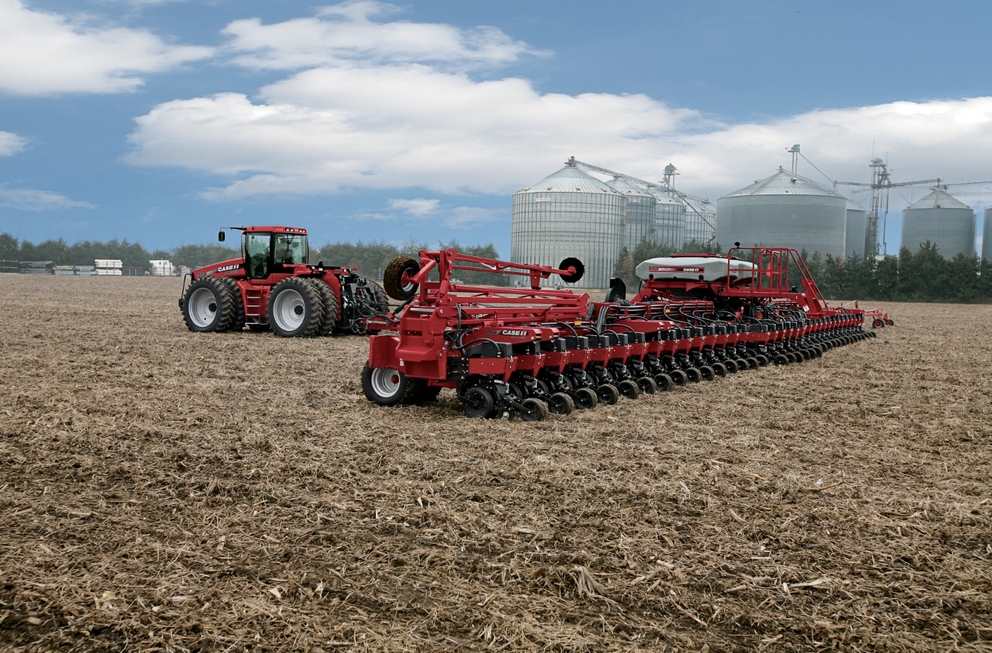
(295,308)
(534,410)
(387,387)
(585,398)
(392,278)
(330,324)
(560,404)
(208,306)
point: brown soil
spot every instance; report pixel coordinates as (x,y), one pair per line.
(166,490)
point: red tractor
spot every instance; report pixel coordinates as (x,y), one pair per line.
(274,287)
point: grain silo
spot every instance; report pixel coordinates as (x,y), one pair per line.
(945,221)
(568,213)
(640,213)
(669,219)
(987,235)
(857,225)
(700,221)
(784,210)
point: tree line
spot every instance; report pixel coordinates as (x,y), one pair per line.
(371,258)
(920,276)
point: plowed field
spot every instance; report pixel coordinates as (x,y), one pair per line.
(166,490)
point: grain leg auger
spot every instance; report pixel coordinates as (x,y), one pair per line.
(533,350)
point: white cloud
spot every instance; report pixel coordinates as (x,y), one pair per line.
(382,112)
(43,53)
(37,200)
(346,34)
(417,207)
(11,144)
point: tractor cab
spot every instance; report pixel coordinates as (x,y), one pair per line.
(273,250)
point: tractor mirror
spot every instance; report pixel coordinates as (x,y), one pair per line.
(221,235)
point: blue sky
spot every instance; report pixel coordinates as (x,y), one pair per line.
(160,121)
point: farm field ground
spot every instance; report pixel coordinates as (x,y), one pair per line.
(172,491)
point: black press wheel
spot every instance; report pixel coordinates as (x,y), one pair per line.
(608,394)
(534,410)
(478,402)
(693,375)
(720,369)
(731,365)
(707,373)
(295,308)
(762,360)
(780,359)
(396,279)
(560,404)
(628,389)
(585,398)
(647,385)
(679,377)
(663,382)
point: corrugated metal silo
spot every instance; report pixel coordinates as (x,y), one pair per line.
(700,222)
(639,220)
(987,235)
(943,220)
(568,213)
(669,219)
(857,225)
(784,210)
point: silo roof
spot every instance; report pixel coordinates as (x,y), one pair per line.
(784,182)
(625,187)
(569,180)
(938,199)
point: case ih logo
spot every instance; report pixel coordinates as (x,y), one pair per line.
(507,332)
(661,268)
(228,268)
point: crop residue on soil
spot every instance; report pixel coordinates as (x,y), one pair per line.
(166,490)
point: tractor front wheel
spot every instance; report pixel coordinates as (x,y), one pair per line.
(208,305)
(295,308)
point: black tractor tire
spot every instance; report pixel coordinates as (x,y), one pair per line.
(561,404)
(329,326)
(478,402)
(585,399)
(295,308)
(208,306)
(388,387)
(379,297)
(392,278)
(663,382)
(534,410)
(607,393)
(629,389)
(238,318)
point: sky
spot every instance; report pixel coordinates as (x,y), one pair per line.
(162,121)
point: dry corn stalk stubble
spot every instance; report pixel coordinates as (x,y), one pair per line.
(161,489)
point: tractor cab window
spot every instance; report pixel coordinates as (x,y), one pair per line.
(257,254)
(290,249)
